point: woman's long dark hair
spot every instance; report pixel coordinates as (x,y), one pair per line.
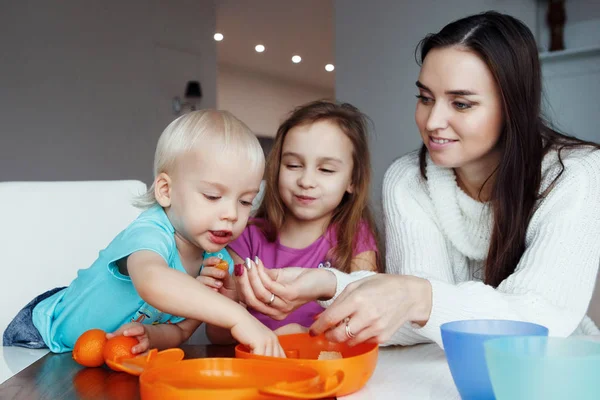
(509,50)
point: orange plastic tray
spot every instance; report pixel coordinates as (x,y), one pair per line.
(235,379)
(163,375)
(358,362)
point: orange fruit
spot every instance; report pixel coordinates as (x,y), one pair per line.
(223,265)
(90,383)
(89,347)
(119,346)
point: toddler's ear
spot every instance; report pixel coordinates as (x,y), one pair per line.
(162,189)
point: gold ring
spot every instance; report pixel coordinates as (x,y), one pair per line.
(348,331)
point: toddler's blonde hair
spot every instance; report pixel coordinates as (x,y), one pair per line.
(218,129)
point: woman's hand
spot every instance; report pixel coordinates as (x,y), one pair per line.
(278,292)
(373,308)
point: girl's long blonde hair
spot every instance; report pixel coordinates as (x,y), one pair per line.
(354,208)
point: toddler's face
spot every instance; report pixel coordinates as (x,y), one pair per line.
(211,197)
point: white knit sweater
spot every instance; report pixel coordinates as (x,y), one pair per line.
(436,231)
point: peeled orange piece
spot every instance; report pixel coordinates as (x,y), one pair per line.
(223,265)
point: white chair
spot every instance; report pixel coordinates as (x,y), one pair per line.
(52,229)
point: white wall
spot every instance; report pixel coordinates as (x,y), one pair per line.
(376,68)
(86,86)
(261,101)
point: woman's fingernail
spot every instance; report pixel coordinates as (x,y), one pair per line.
(238,269)
(218,283)
(312,333)
(248,263)
(256,259)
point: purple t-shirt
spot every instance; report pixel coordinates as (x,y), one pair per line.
(252,242)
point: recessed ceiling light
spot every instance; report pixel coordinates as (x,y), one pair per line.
(259,48)
(329,67)
(296,59)
(219,37)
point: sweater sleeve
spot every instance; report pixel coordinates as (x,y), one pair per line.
(553,281)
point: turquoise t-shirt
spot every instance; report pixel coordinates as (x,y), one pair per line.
(101,297)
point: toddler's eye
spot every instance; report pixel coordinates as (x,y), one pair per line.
(212,198)
(246,203)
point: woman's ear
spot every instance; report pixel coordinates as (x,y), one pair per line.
(162,189)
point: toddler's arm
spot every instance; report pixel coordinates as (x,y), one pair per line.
(216,334)
(179,294)
(161,336)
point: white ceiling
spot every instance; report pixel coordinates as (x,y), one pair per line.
(285,28)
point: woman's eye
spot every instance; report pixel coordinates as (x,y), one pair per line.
(212,198)
(424,99)
(461,106)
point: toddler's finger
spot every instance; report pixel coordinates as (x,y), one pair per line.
(213,272)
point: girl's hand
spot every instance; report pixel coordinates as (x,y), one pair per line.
(137,330)
(290,329)
(260,339)
(373,308)
(289,288)
(218,279)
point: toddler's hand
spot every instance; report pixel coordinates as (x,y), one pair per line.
(260,339)
(137,330)
(213,276)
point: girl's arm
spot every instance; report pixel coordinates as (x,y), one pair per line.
(553,281)
(179,294)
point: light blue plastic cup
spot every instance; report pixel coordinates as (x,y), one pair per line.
(463,344)
(538,368)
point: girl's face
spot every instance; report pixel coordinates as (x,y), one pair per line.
(315,170)
(459,111)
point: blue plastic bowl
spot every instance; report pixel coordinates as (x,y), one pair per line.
(463,343)
(539,368)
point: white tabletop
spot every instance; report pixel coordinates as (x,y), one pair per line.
(415,372)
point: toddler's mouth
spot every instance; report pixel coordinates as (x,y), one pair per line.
(222,234)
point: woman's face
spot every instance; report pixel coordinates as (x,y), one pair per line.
(459,110)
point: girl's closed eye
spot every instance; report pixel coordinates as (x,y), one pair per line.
(327,170)
(211,197)
(293,166)
(246,203)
